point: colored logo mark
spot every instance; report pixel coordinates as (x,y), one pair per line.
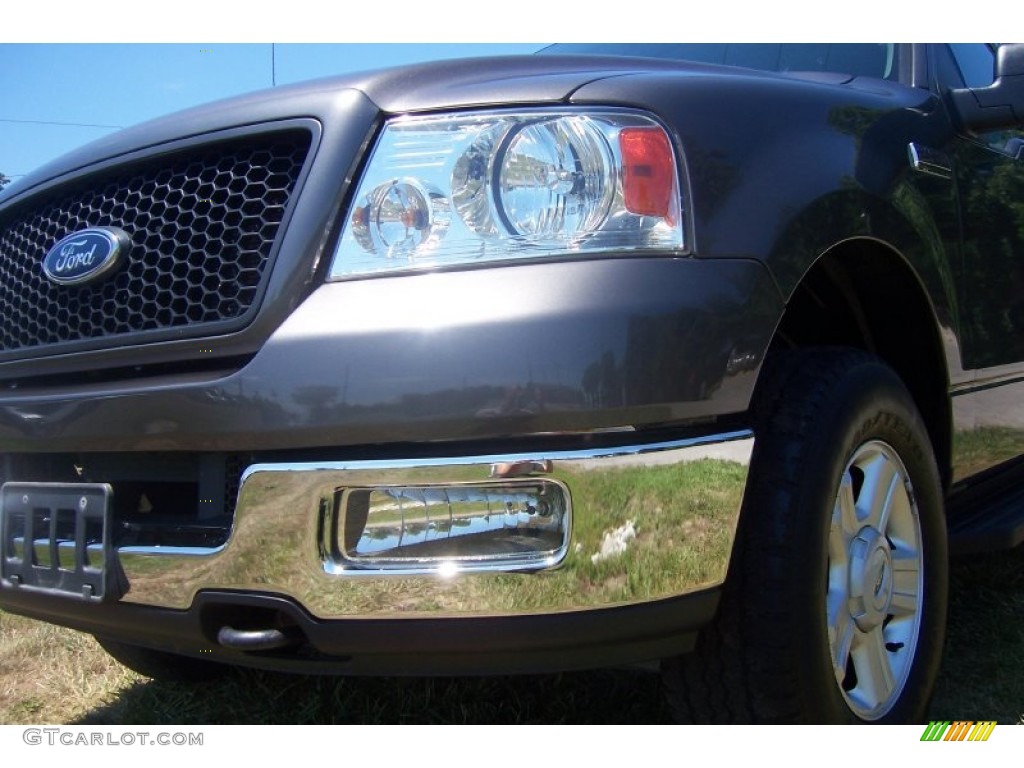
(959,730)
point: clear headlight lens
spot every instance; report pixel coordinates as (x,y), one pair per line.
(496,186)
(556,181)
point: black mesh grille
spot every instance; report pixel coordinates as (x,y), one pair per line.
(202,225)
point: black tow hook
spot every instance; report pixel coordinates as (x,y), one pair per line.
(255,639)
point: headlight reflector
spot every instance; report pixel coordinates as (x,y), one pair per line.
(483,187)
(556,180)
(400,217)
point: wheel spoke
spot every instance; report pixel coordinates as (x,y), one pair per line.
(904,603)
(841,632)
(880,481)
(875,677)
(844,518)
(906,583)
(901,528)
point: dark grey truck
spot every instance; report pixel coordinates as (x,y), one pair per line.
(700,353)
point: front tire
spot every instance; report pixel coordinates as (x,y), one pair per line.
(835,605)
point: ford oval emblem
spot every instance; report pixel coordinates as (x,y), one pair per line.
(86,255)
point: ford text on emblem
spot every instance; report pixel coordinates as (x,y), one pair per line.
(86,255)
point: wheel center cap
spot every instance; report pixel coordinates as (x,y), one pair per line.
(871,578)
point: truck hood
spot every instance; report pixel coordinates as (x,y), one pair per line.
(458,83)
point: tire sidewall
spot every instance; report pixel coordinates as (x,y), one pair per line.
(870,404)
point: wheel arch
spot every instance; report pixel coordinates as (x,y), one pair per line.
(862,293)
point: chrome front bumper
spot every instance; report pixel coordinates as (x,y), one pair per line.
(642,523)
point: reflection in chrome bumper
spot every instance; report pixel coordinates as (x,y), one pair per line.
(640,523)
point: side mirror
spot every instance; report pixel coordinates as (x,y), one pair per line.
(1000,105)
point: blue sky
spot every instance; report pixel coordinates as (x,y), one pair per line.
(55,97)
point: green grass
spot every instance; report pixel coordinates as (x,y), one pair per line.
(978,449)
(52,675)
(982,674)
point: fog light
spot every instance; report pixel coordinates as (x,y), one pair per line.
(444,529)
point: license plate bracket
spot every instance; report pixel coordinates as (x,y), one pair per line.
(56,538)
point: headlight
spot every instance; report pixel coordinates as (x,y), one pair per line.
(498,186)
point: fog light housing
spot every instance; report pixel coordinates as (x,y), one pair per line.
(506,525)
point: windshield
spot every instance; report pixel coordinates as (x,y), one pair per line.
(869,59)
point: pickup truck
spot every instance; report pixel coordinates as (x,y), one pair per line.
(705,354)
